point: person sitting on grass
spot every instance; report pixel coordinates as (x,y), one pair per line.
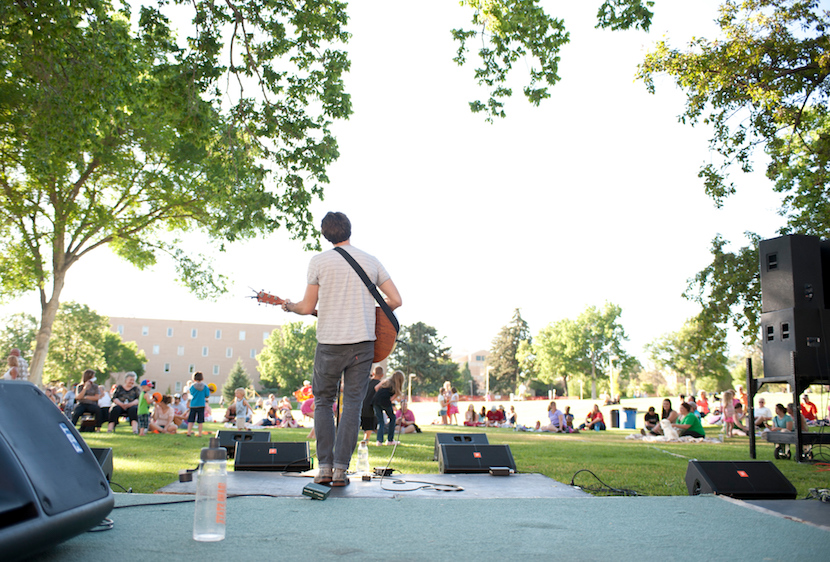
(651,419)
(667,414)
(163,418)
(470,417)
(405,419)
(594,420)
(495,417)
(557,421)
(689,424)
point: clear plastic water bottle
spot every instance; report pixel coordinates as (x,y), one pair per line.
(211,494)
(363,458)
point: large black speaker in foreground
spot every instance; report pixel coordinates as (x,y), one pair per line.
(51,485)
(229,439)
(474,458)
(744,480)
(275,457)
(792,272)
(457,439)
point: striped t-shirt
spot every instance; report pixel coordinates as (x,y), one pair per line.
(345,307)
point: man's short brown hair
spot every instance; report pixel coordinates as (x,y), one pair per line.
(336,227)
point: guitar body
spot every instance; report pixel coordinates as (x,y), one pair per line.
(385,333)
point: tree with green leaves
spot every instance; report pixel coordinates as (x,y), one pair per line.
(287,358)
(77,343)
(503,363)
(19,332)
(762,84)
(237,378)
(696,352)
(559,352)
(121,356)
(421,351)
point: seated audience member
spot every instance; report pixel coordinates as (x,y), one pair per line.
(495,417)
(809,411)
(470,417)
(69,403)
(163,418)
(405,419)
(511,417)
(782,420)
(230,414)
(284,404)
(739,420)
(569,417)
(12,373)
(482,416)
(667,413)
(763,415)
(271,419)
(650,420)
(125,403)
(693,408)
(594,420)
(688,423)
(791,412)
(287,419)
(86,398)
(557,420)
(179,411)
(105,403)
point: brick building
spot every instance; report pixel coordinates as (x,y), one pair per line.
(175,349)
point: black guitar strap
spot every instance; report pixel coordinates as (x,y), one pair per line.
(371,287)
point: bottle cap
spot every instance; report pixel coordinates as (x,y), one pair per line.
(214,452)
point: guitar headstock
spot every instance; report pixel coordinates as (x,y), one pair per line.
(265,298)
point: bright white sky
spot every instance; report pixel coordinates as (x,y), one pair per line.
(592,197)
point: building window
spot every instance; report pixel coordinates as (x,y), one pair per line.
(145,330)
(120,329)
(218,334)
(155,350)
(229,352)
(167,367)
(216,369)
(205,351)
(241,335)
(253,354)
(180,350)
(191,368)
(265,335)
(178,386)
(194,333)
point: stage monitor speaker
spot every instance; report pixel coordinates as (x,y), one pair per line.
(791,273)
(744,480)
(51,485)
(104,458)
(229,439)
(275,457)
(474,458)
(799,330)
(458,439)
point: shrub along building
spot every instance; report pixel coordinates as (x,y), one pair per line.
(176,349)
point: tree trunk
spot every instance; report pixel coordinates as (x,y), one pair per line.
(593,380)
(49,310)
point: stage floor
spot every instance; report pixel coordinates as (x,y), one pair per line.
(443,486)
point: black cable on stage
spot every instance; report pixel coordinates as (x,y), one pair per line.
(605,488)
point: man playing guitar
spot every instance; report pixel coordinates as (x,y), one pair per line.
(345,342)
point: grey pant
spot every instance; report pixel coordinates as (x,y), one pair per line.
(354,362)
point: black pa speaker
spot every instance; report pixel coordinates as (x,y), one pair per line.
(474,458)
(229,439)
(800,330)
(458,439)
(51,485)
(104,458)
(275,457)
(791,273)
(743,480)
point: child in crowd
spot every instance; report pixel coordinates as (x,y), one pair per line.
(199,393)
(728,409)
(144,401)
(242,408)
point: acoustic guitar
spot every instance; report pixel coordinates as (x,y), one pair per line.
(385,333)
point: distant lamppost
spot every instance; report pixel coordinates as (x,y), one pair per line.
(409,390)
(487,383)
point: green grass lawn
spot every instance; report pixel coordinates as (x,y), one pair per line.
(148,463)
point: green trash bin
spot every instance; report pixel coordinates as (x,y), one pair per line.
(630,418)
